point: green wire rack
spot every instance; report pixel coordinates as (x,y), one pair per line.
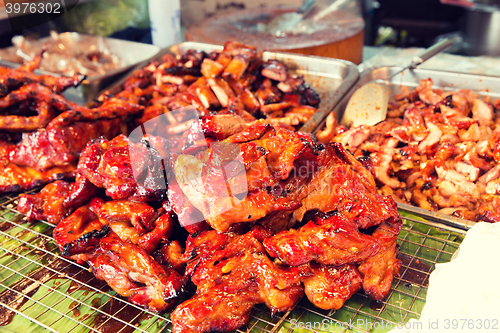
(40,290)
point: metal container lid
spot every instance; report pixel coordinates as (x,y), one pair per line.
(249,26)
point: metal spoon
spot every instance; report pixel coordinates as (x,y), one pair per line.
(368,104)
(286,22)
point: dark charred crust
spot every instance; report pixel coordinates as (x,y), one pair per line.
(427,186)
(180,70)
(66,251)
(95,233)
(85,240)
(262,150)
(193,254)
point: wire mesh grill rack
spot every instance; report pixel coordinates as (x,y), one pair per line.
(41,290)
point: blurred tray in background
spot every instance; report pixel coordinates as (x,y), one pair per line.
(129,53)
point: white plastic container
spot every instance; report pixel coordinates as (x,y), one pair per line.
(165,17)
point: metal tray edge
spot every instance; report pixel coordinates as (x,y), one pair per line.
(439,218)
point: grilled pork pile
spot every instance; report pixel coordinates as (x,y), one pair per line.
(41,133)
(437,149)
(276,216)
(232,199)
(234,80)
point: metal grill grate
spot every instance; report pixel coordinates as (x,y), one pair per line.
(39,288)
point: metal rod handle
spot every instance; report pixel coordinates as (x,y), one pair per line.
(431,52)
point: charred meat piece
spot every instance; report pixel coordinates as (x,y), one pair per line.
(132,273)
(60,146)
(379,270)
(335,240)
(107,165)
(231,279)
(235,48)
(56,200)
(232,181)
(111,109)
(274,70)
(14,123)
(331,286)
(48,204)
(40,94)
(80,232)
(135,222)
(13,79)
(139,215)
(344,185)
(15,178)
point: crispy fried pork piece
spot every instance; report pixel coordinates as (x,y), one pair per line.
(79,233)
(56,200)
(236,67)
(334,240)
(490,208)
(331,286)
(60,146)
(211,68)
(132,273)
(235,48)
(379,270)
(233,276)
(494,145)
(107,164)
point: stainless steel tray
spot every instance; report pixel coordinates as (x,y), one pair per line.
(331,78)
(448,81)
(131,53)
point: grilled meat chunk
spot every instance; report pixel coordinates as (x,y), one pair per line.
(233,274)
